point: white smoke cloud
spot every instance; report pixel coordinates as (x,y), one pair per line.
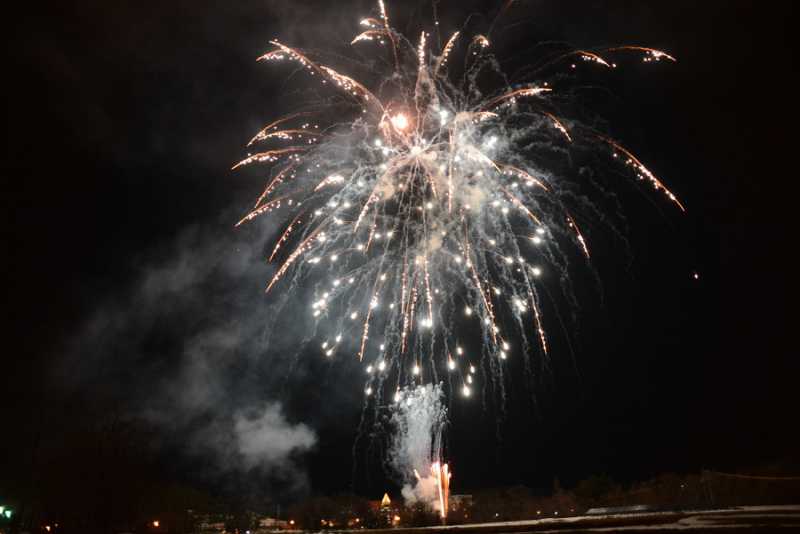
(268,438)
(201,293)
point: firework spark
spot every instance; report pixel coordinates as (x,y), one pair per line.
(428,209)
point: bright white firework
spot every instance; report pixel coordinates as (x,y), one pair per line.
(430,209)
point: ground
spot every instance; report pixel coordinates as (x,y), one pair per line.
(740,519)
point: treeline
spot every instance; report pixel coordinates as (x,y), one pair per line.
(708,489)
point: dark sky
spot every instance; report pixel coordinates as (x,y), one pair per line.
(128,292)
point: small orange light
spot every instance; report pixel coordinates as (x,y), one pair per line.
(156,524)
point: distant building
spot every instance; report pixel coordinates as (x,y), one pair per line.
(386,510)
(384,504)
(272,523)
(208,527)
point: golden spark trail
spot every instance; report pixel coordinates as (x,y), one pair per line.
(277,180)
(269,156)
(524,175)
(285,236)
(513,95)
(634,162)
(445,53)
(538,321)
(303,247)
(269,206)
(514,200)
(571,223)
(651,54)
(558,125)
(262,134)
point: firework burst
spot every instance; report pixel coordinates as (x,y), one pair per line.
(426,207)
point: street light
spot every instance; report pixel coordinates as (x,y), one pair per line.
(156,524)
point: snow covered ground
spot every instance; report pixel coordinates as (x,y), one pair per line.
(739,519)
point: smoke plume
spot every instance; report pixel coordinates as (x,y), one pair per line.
(418,418)
(184,348)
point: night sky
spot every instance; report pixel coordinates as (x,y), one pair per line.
(129,294)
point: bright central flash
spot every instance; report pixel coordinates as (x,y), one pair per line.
(400,121)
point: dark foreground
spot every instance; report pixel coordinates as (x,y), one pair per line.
(740,519)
